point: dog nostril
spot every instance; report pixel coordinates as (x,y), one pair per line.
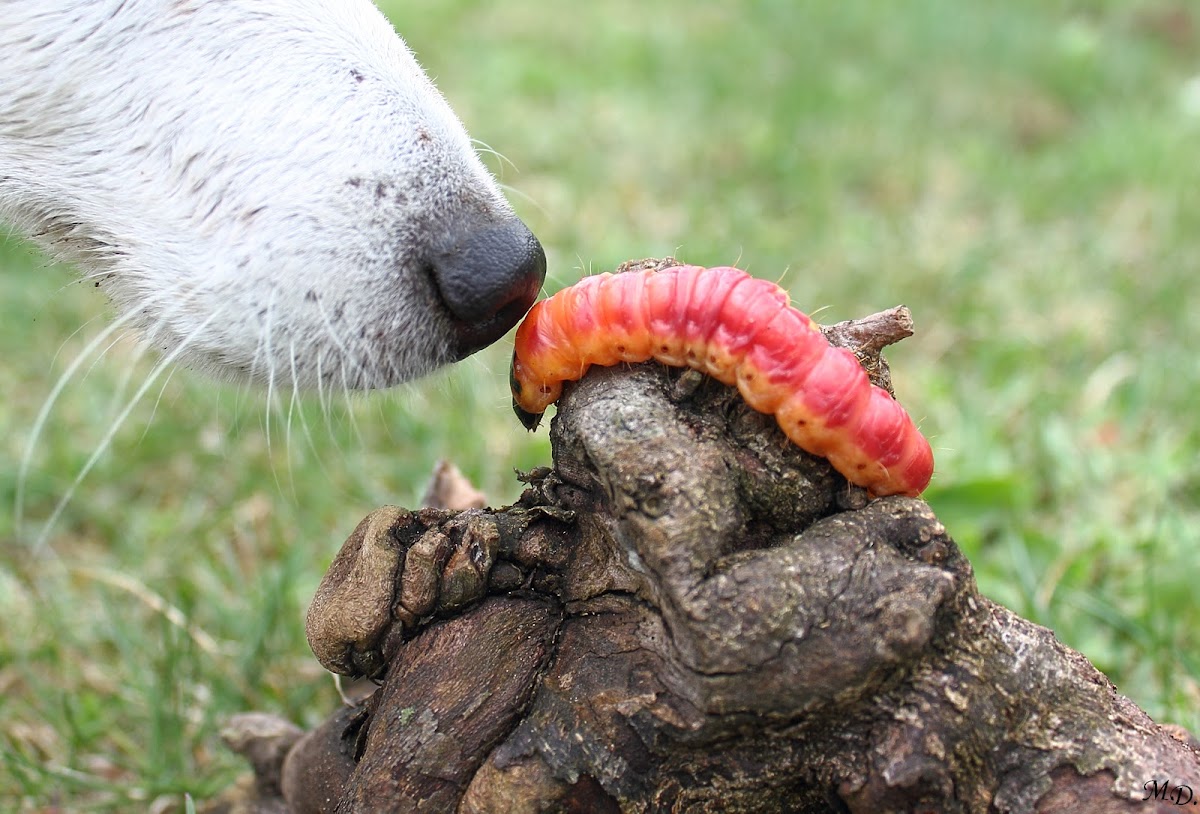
(489,276)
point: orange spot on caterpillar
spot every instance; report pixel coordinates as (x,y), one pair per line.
(741,331)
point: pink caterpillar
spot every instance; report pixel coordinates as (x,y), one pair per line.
(741,331)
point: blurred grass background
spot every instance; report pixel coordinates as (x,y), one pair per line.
(1023,175)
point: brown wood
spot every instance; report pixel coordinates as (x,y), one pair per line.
(691,614)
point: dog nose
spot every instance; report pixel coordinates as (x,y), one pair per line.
(488,275)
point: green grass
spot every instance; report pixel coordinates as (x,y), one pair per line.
(1023,175)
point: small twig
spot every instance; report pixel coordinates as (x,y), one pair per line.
(867,337)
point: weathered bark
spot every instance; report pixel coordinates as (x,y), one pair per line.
(691,614)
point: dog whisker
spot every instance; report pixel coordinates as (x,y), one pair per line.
(162,365)
(39,423)
(305,427)
(265,352)
(487,149)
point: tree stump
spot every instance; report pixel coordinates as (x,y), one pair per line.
(689,613)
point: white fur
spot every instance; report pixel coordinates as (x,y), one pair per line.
(255,183)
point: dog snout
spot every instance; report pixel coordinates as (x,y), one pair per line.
(488,275)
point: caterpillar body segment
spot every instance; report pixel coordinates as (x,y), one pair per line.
(743,332)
